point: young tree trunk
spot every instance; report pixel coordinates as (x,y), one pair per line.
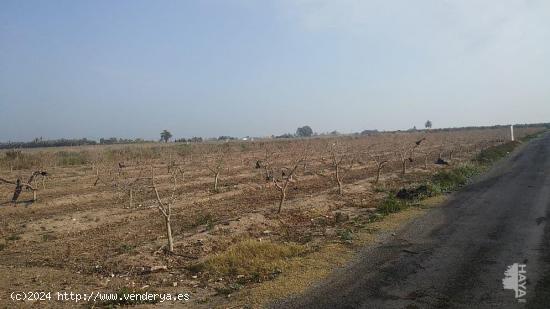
(216,176)
(338,180)
(169,233)
(379,165)
(404,166)
(282,199)
(165,209)
(17,191)
(131,198)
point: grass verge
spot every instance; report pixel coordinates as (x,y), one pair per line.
(448,180)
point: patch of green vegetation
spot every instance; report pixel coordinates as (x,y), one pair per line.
(125,248)
(346,235)
(13,237)
(417,193)
(392,204)
(205,219)
(446,180)
(450,180)
(534,135)
(72,158)
(228,289)
(492,154)
(442,182)
(251,259)
(48,237)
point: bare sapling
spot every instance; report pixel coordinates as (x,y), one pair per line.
(380,161)
(172,163)
(339,157)
(286,177)
(452,152)
(216,169)
(403,154)
(215,164)
(426,154)
(165,206)
(20,185)
(406,153)
(106,175)
(132,185)
(265,164)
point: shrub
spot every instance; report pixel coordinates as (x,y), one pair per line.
(392,204)
(346,235)
(449,180)
(416,193)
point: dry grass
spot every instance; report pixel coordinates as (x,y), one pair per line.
(251,259)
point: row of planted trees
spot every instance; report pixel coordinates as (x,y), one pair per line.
(157,175)
(162,181)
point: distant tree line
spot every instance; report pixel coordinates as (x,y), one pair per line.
(304,131)
(39,142)
(114,140)
(369,132)
(189,140)
(301,132)
(226,138)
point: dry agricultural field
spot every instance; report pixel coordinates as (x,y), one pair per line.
(239,212)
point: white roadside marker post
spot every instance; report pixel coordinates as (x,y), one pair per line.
(512,132)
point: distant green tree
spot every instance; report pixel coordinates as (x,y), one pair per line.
(304,131)
(195,139)
(165,136)
(428,124)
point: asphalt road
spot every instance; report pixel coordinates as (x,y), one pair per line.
(455,256)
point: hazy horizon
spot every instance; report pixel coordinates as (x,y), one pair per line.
(74,69)
(292,132)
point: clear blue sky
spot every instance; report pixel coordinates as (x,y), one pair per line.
(260,67)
